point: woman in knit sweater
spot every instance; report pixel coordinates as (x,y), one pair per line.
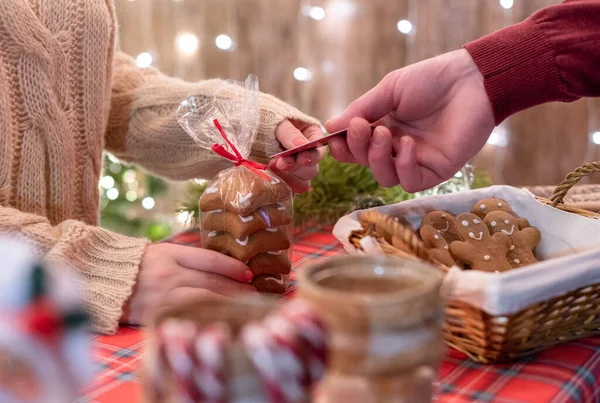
(66,95)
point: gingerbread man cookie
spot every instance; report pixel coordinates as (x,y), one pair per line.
(438,247)
(443,222)
(271,216)
(523,242)
(267,240)
(244,193)
(486,206)
(479,249)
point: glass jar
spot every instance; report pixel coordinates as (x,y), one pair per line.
(242,380)
(384,317)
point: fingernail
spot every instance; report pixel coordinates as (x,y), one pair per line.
(378,139)
(327,123)
(280,164)
(306,161)
(248,276)
(298,141)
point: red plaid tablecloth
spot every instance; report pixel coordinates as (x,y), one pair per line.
(567,373)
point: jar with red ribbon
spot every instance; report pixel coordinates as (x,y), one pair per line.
(251,350)
(246,212)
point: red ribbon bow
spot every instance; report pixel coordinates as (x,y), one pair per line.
(255,167)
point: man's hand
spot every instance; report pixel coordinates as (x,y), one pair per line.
(432,117)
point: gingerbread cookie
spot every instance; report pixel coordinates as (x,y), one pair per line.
(443,222)
(243,192)
(523,242)
(438,247)
(270,239)
(479,249)
(271,216)
(486,206)
(272,262)
(270,283)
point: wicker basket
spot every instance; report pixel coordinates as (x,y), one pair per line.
(486,338)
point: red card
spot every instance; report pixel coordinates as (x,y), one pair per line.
(312,144)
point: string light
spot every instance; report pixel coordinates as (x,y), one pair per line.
(112,158)
(596,137)
(107,182)
(187,43)
(112,193)
(404,26)
(302,74)
(148,203)
(498,138)
(506,4)
(133,185)
(342,8)
(316,13)
(183,217)
(458,175)
(115,167)
(144,60)
(131,195)
(224,42)
(129,176)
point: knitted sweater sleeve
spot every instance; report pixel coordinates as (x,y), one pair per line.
(107,263)
(554,55)
(143,129)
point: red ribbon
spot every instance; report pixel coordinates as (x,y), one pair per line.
(255,167)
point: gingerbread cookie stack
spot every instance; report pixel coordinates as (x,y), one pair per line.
(249,217)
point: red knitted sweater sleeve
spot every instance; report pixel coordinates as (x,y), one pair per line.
(554,55)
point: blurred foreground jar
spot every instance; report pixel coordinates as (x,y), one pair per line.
(384,317)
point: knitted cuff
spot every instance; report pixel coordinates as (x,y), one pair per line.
(273,112)
(519,68)
(108,265)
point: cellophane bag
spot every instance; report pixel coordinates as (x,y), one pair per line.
(246,212)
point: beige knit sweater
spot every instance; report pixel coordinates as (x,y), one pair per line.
(65,96)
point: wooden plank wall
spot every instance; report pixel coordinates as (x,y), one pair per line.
(348,52)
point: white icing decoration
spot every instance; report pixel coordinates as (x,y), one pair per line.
(486,257)
(517,261)
(499,204)
(275,253)
(512,229)
(493,223)
(242,242)
(211,190)
(272,229)
(465,223)
(512,247)
(436,236)
(280,207)
(244,199)
(445,229)
(278,280)
(212,234)
(472,236)
(482,207)
(214,211)
(246,219)
(476,221)
(506,222)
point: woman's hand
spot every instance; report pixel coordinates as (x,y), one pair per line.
(432,117)
(171,275)
(298,171)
